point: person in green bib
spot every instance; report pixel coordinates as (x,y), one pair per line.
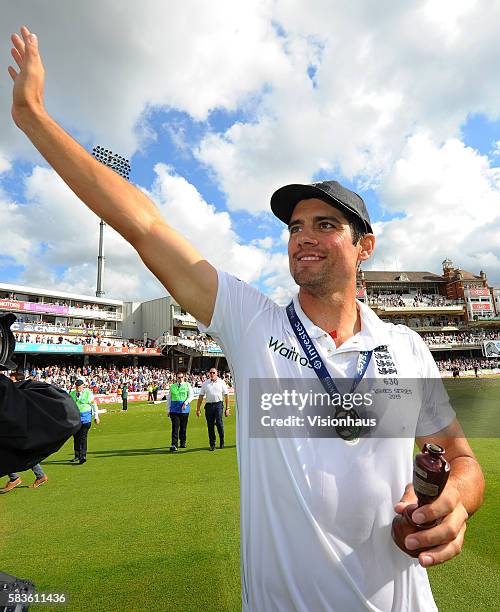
(181,395)
(84,400)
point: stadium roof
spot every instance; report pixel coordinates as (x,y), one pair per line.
(468,275)
(58,294)
(375,276)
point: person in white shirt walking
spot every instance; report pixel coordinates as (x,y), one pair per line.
(214,390)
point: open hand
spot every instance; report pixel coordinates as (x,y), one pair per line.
(27,95)
(445,540)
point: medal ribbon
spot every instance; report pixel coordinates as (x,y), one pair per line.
(318,365)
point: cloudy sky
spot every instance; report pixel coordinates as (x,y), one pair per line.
(218,104)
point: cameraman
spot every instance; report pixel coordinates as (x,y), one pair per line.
(14,478)
(36,418)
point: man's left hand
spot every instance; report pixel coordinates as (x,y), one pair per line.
(444,541)
(227,412)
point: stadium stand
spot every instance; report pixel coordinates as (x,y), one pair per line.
(455,312)
(110,379)
(467,366)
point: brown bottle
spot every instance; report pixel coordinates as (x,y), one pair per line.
(430,474)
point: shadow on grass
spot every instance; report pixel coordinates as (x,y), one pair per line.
(60,462)
(133,452)
(18,488)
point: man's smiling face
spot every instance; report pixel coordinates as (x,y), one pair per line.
(321,255)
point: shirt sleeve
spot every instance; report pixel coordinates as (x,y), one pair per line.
(436,411)
(236,306)
(190,396)
(95,407)
(202,390)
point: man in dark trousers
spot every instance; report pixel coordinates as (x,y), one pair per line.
(125,396)
(214,390)
(84,400)
(181,395)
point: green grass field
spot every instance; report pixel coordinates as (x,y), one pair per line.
(136,528)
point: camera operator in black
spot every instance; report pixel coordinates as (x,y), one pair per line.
(36,418)
(14,478)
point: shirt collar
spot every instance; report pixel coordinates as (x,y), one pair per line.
(313,330)
(373,331)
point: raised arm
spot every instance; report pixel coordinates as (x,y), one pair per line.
(186,275)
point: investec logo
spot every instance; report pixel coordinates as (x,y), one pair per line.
(287,352)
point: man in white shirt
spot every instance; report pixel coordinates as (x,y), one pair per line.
(315,512)
(214,389)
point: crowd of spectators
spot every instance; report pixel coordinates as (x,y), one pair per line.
(109,380)
(88,306)
(386,300)
(429,322)
(430,300)
(407,300)
(200,342)
(469,337)
(87,325)
(93,339)
(468,364)
(85,306)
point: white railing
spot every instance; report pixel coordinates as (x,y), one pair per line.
(201,346)
(166,339)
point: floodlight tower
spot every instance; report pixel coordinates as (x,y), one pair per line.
(122,167)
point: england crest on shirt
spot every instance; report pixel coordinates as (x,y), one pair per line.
(383,360)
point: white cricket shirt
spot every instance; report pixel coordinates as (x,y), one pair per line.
(214,391)
(316,513)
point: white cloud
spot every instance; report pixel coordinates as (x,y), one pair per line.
(451,199)
(108,62)
(55,228)
(18,246)
(376,92)
(279,284)
(383,72)
(380,71)
(5,164)
(264,243)
(210,231)
(285,234)
(448,15)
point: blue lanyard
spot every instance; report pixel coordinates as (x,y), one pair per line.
(315,359)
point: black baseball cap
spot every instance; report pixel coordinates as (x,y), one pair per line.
(286,199)
(79,382)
